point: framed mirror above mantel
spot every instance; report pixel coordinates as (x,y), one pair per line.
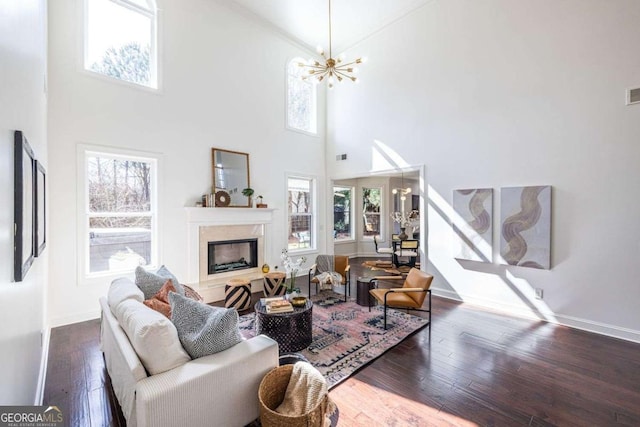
(230,177)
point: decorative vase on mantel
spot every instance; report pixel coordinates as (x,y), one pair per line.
(402,235)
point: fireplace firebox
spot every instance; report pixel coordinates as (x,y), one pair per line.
(232,255)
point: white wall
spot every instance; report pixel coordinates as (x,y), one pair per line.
(223,86)
(502,93)
(22,107)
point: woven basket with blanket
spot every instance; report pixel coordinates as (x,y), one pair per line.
(294,395)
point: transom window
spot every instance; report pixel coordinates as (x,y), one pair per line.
(342,213)
(301,213)
(301,99)
(120,40)
(120,213)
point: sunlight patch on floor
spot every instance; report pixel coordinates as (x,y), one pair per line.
(360,403)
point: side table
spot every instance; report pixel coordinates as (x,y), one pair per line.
(363,297)
(292,331)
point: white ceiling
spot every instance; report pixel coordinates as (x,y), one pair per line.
(307,21)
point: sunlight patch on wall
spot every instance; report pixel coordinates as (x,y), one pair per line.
(384,158)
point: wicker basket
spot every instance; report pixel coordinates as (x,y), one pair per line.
(271,394)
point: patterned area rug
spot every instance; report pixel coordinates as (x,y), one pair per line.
(347,336)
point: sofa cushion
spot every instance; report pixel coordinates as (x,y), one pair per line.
(203,329)
(160,301)
(152,335)
(150,283)
(122,289)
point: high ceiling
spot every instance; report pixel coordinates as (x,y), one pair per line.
(307,22)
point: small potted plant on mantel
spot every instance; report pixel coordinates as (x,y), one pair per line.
(260,204)
(248,192)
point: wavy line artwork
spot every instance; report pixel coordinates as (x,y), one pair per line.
(472,224)
(526,226)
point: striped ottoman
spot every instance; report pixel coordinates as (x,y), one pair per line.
(237,294)
(273,284)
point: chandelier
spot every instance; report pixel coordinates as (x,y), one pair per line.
(403,218)
(332,69)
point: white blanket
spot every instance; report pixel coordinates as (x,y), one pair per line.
(307,388)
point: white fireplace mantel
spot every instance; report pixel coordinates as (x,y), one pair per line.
(229,216)
(205,217)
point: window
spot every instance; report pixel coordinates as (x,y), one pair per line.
(119,209)
(342,213)
(371,203)
(120,40)
(301,213)
(301,99)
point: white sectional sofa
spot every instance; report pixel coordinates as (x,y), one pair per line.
(216,390)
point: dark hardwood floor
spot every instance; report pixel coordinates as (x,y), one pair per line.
(478,367)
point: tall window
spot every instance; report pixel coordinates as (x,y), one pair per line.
(120,212)
(301,213)
(371,204)
(120,40)
(342,213)
(301,99)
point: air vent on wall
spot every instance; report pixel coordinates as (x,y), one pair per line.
(633,96)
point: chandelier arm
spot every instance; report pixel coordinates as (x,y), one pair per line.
(346,71)
(343,74)
(316,67)
(347,64)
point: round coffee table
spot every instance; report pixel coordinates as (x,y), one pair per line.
(292,331)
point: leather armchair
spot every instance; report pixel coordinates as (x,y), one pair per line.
(410,296)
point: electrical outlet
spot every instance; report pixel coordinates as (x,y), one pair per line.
(538,293)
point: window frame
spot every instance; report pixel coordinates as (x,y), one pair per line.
(314,101)
(382,220)
(352,214)
(313,189)
(154,45)
(85,277)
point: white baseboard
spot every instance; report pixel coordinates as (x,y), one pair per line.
(599,328)
(75,318)
(558,319)
(44,360)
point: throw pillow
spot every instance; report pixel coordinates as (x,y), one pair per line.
(153,337)
(150,283)
(160,301)
(122,289)
(203,329)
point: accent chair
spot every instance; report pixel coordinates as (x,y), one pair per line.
(410,296)
(328,264)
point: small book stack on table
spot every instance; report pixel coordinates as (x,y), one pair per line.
(279,306)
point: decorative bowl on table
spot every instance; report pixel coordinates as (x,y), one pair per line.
(298,301)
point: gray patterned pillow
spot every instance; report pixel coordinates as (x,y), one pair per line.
(203,329)
(150,283)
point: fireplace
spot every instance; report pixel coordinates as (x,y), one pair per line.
(232,255)
(225,225)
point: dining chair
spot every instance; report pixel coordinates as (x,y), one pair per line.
(386,250)
(406,248)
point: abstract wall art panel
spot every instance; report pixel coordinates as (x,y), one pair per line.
(525,227)
(472,224)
